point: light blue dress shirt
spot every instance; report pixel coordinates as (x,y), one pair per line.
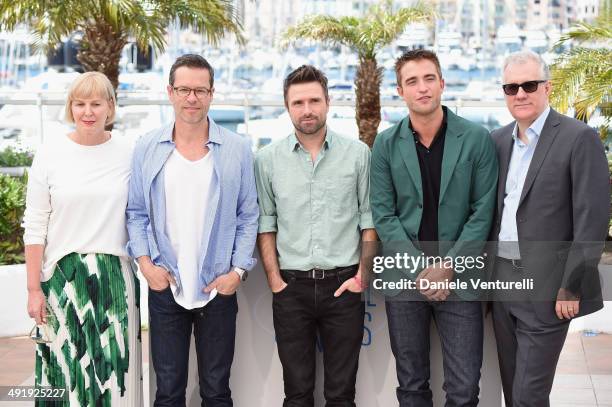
(230,228)
(517,172)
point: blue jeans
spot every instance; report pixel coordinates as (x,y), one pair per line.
(460,327)
(214,328)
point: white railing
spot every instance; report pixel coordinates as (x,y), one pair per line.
(245,100)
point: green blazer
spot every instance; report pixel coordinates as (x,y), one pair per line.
(467,192)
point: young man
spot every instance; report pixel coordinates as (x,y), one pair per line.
(314,210)
(192,222)
(553,207)
(433,180)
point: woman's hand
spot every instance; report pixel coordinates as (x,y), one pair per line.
(37,306)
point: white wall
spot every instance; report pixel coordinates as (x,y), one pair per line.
(256,378)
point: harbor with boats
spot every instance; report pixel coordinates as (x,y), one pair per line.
(248,80)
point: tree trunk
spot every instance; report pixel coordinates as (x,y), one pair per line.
(101,49)
(367,91)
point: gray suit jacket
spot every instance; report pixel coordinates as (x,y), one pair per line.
(564,209)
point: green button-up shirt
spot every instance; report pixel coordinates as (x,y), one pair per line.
(317,210)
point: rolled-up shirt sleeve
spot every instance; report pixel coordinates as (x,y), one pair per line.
(38,202)
(265,195)
(363,191)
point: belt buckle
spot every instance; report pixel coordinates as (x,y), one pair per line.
(317,274)
(516,264)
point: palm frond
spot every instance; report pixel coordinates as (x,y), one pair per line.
(324,28)
(213,18)
(146,21)
(583,32)
(599,31)
(595,91)
(385,26)
(581,78)
(50,21)
(380,26)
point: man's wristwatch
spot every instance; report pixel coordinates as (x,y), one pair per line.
(243,274)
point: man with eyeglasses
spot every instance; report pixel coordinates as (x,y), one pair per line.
(553,204)
(192,222)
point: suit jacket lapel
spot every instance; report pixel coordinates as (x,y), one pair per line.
(549,132)
(452,148)
(505,154)
(407,150)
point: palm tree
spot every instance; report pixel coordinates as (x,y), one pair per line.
(108,24)
(582,77)
(365,35)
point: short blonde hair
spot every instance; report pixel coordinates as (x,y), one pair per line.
(88,85)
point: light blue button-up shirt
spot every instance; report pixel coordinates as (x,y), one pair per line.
(230,228)
(517,172)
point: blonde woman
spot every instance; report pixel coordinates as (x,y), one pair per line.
(81,285)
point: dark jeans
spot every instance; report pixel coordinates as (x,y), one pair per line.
(301,309)
(460,327)
(170,337)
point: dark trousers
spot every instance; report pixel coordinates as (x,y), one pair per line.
(302,308)
(528,348)
(460,327)
(214,328)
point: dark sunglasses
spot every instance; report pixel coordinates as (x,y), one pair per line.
(512,89)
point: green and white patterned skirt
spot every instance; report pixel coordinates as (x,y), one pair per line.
(96,350)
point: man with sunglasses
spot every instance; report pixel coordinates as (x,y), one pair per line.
(192,222)
(553,204)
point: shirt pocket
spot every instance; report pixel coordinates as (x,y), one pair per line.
(286,187)
(342,196)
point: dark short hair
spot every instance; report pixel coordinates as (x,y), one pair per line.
(415,55)
(305,74)
(192,61)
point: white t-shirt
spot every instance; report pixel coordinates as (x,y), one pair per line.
(76,199)
(187,188)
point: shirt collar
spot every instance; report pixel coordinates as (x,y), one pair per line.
(440,130)
(294,144)
(214,132)
(533,132)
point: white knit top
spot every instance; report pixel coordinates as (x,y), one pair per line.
(76,199)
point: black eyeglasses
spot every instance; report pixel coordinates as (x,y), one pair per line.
(512,89)
(184,92)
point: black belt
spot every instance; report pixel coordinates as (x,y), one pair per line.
(320,274)
(516,263)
